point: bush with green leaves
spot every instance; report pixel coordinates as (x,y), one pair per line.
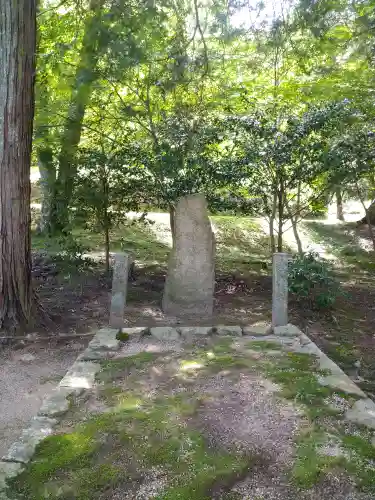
(311,279)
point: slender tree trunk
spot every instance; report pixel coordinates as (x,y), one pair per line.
(370,229)
(107,249)
(47,173)
(339,205)
(172,223)
(106,217)
(272,223)
(369,212)
(280,209)
(17,71)
(295,232)
(294,218)
(81,93)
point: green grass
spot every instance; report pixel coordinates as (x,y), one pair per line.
(309,464)
(136,239)
(240,244)
(341,241)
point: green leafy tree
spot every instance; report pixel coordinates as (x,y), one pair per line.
(281,158)
(106,188)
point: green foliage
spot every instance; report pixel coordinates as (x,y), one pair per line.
(311,279)
(157,106)
(71,249)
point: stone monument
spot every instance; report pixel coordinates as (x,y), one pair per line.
(190,282)
(280,289)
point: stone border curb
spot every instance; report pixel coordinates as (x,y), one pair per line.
(80,377)
(105,344)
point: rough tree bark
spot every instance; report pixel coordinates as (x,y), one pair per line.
(17,71)
(369,217)
(85,77)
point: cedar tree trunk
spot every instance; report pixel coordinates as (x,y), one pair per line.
(17,71)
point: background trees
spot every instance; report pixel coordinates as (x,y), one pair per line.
(236,101)
(269,107)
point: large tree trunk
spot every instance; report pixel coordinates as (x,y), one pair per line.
(17,71)
(81,93)
(369,217)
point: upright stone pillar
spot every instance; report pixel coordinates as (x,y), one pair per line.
(119,290)
(190,282)
(280,289)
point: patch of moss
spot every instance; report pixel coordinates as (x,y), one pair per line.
(153,433)
(360,463)
(357,458)
(361,446)
(232,495)
(297,374)
(122,336)
(72,451)
(223,345)
(310,464)
(113,369)
(264,345)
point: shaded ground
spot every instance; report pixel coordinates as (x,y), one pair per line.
(79,300)
(76,296)
(346,333)
(204,418)
(27,375)
(76,293)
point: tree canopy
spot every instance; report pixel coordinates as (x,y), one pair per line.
(253,102)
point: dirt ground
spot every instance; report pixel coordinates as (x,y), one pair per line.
(203,418)
(27,375)
(77,297)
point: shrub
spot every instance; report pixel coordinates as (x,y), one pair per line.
(70,254)
(311,279)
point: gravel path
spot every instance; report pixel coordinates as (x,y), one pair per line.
(26,376)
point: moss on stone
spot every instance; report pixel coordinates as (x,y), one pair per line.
(122,336)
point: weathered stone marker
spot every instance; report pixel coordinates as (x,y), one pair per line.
(190,282)
(280,289)
(119,289)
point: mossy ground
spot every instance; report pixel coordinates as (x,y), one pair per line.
(144,429)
